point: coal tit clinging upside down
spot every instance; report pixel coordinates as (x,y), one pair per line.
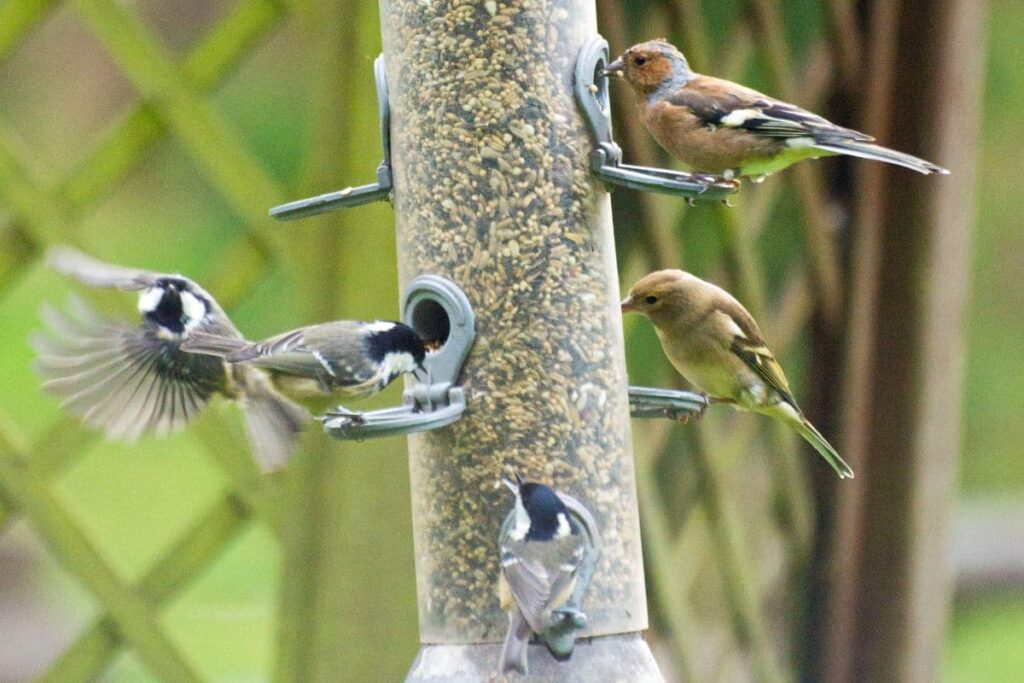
(541,555)
(711,339)
(316,363)
(132,379)
(717,126)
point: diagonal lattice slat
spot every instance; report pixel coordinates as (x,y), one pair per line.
(17,17)
(72,548)
(46,210)
(180,564)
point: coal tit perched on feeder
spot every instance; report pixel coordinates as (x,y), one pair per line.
(541,555)
(134,379)
(313,364)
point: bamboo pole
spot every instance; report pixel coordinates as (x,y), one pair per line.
(493,191)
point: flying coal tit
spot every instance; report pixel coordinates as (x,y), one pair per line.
(315,364)
(541,555)
(133,379)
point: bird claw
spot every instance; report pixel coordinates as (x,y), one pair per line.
(353,417)
(568,616)
(684,417)
(707,181)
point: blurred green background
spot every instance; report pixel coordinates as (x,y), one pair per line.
(67,85)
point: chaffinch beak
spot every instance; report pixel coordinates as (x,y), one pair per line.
(615,68)
(627,305)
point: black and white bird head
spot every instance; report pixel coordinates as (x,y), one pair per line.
(540,515)
(396,347)
(174,307)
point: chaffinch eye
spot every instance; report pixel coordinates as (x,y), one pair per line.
(651,299)
(640,61)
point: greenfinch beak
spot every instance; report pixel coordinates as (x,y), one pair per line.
(627,305)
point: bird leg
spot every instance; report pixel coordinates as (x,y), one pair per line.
(684,416)
(707,180)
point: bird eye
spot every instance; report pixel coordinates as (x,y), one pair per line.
(640,61)
(651,299)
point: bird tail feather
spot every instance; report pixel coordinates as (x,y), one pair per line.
(272,422)
(866,150)
(513,654)
(821,444)
(207,344)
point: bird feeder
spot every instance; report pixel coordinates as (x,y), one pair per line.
(489,166)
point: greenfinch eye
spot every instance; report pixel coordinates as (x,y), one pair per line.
(651,299)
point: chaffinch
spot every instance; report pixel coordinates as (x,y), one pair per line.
(720,127)
(711,339)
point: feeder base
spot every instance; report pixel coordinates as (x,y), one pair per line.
(621,658)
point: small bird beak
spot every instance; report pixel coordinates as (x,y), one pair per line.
(627,305)
(615,68)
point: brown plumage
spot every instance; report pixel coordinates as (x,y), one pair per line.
(717,126)
(714,343)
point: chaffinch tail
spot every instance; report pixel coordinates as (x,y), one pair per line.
(715,344)
(720,127)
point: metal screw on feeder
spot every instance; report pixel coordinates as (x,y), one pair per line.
(352,196)
(591,87)
(438,309)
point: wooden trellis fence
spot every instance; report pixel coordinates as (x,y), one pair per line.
(727,553)
(46,210)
